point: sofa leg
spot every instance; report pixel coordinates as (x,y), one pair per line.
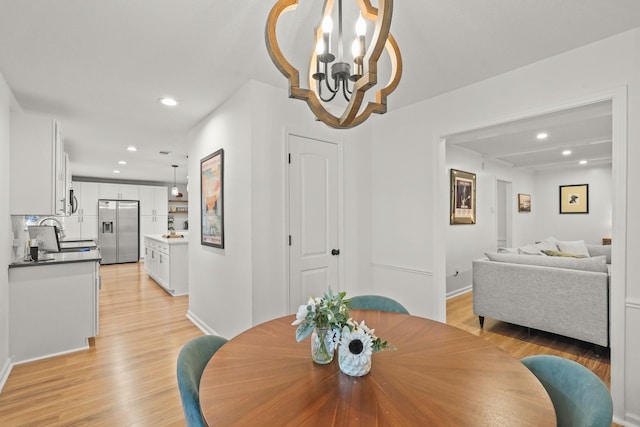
(481,319)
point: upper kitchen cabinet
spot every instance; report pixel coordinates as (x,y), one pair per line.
(119,191)
(153,200)
(38,168)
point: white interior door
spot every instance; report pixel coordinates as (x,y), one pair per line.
(313,219)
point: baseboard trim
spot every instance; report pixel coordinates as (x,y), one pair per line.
(200,324)
(630,420)
(460,291)
(4,373)
(46,356)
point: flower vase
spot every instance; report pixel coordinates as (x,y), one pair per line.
(322,345)
(354,361)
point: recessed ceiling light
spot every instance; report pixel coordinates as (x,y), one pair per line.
(122,162)
(169,102)
(116,171)
(132,148)
(566,152)
(542,135)
(583,162)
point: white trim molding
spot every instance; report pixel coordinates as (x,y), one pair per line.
(200,324)
(4,373)
(632,303)
(403,269)
(460,291)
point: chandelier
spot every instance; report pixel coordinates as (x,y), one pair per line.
(331,72)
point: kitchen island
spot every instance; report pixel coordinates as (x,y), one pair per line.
(165,261)
(54,304)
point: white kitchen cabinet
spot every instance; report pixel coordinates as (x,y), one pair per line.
(153,200)
(153,210)
(38,174)
(84,223)
(88,198)
(54,308)
(119,191)
(166,263)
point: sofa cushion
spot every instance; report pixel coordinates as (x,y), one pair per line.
(596,264)
(578,247)
(537,248)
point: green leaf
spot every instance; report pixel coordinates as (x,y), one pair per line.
(303,331)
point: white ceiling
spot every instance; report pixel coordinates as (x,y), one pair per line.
(585,131)
(100,66)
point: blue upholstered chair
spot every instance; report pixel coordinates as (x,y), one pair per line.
(579,397)
(377,302)
(192,360)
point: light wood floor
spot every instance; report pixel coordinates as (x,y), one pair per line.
(127,377)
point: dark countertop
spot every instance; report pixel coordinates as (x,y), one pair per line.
(60,258)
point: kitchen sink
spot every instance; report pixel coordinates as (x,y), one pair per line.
(77,245)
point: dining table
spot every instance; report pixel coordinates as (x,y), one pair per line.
(436,375)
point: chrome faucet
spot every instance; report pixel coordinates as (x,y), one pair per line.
(57,221)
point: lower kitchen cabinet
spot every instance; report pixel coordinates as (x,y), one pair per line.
(54,308)
(165,261)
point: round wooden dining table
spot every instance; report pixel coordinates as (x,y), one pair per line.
(439,375)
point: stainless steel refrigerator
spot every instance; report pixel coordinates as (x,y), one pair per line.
(118,230)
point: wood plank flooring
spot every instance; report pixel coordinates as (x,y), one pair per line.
(127,377)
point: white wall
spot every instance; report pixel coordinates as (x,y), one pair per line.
(466,242)
(5,229)
(591,227)
(409,151)
(245,283)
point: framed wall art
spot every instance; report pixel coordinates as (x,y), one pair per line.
(574,199)
(212,199)
(463,197)
(524,202)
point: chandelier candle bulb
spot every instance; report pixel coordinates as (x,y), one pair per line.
(327,27)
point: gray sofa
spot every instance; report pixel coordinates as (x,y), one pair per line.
(561,295)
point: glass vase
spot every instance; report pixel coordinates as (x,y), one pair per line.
(322,345)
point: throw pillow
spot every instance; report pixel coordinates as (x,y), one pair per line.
(564,254)
(578,247)
(507,250)
(537,248)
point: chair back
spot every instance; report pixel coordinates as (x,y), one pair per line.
(579,397)
(377,302)
(192,360)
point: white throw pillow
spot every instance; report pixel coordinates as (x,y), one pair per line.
(577,247)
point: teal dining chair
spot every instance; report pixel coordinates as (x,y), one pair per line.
(377,302)
(192,360)
(579,397)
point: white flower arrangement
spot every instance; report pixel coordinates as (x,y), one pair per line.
(357,341)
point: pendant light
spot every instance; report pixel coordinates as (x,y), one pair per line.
(174,190)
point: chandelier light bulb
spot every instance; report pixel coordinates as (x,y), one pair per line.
(355,48)
(327,24)
(361,26)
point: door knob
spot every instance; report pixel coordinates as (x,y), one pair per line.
(335,252)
